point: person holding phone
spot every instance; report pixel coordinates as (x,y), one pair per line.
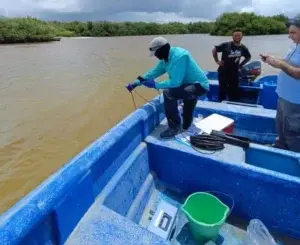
(288,90)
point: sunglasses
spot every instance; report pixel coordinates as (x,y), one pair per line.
(154,48)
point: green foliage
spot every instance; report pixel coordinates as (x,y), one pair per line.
(249,23)
(65,33)
(200,27)
(16,30)
(104,28)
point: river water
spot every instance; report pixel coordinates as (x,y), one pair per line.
(56,98)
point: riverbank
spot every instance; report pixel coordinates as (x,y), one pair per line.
(30,40)
(21,30)
(27,30)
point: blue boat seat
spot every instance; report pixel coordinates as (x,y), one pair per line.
(101,225)
(232,153)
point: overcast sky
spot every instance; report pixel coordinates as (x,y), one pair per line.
(143,10)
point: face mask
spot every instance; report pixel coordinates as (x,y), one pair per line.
(163,52)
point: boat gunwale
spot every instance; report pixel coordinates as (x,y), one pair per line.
(25,211)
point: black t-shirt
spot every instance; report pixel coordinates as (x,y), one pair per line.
(231,55)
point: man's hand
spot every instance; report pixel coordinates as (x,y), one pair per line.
(281,64)
(264,57)
(141,79)
(149,83)
(131,86)
(220,63)
(273,61)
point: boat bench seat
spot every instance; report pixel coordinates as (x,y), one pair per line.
(101,225)
(234,154)
(232,107)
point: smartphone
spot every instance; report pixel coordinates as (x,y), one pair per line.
(263,57)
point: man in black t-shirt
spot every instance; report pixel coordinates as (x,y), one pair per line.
(229,66)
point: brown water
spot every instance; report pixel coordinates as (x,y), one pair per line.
(56,98)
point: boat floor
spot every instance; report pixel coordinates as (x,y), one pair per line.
(229,234)
(233,232)
(102,226)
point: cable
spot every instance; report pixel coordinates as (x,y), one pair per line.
(143,98)
(206,142)
(133,100)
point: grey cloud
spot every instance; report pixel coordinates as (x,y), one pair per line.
(109,7)
(211,9)
(141,10)
(114,10)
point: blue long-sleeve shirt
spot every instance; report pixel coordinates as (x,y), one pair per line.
(182,69)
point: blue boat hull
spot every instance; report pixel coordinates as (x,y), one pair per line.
(104,194)
(260,92)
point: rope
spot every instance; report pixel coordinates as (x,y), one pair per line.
(143,98)
(133,100)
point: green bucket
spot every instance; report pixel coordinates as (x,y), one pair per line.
(206,214)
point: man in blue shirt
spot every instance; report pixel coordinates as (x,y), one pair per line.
(186,81)
(288,90)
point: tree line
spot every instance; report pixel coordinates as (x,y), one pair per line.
(250,24)
(18,30)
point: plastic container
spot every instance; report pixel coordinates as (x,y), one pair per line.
(258,234)
(215,122)
(206,214)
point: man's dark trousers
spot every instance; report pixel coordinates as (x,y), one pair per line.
(228,85)
(189,93)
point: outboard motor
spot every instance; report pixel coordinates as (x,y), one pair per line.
(250,72)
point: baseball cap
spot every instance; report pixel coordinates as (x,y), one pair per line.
(294,21)
(156,43)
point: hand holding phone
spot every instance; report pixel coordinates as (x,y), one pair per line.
(263,57)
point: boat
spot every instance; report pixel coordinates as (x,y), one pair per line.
(254,89)
(115,189)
